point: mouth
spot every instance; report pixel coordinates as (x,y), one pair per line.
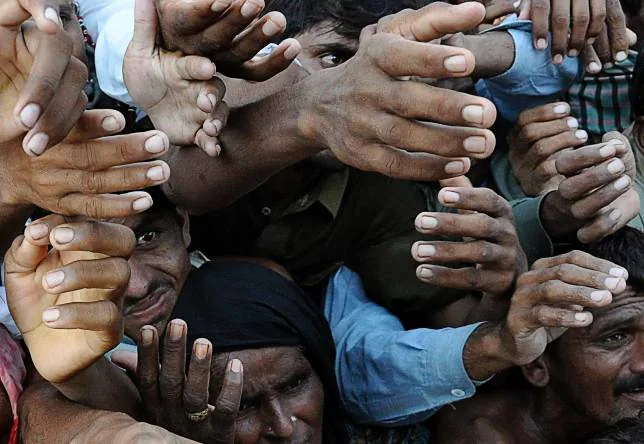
(636,394)
(148,308)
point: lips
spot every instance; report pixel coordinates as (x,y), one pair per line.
(149,306)
(636,394)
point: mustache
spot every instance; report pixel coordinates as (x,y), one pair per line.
(152,288)
(625,385)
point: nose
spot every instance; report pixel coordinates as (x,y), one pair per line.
(137,288)
(637,355)
(279,422)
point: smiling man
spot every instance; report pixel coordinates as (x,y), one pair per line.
(588,379)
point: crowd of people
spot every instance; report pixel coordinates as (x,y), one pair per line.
(321,221)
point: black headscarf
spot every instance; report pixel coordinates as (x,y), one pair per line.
(241,305)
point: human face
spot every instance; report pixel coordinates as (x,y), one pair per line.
(323,48)
(159,268)
(599,370)
(282,400)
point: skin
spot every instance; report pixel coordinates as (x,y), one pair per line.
(599,358)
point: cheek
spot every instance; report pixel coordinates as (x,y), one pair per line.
(308,406)
(248,430)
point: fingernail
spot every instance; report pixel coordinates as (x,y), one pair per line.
(611,283)
(616,143)
(213,100)
(218,125)
(220,5)
(201,348)
(594,67)
(55,278)
(475,144)
(607,150)
(557,59)
(110,124)
(142,204)
(572,123)
(156,173)
(615,214)
(455,167)
(425,272)
(176,330)
(455,63)
(30,115)
(250,9)
(428,222)
(599,295)
(426,250)
(38,143)
(52,16)
(573,53)
(562,108)
(291,52)
(615,166)
(621,56)
(591,41)
(581,134)
(155,144)
(581,317)
(38,231)
(271,28)
(236,366)
(622,183)
(51,315)
(147,335)
(451,197)
(542,44)
(473,113)
(63,235)
(618,272)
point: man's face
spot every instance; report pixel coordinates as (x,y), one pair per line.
(282,399)
(159,268)
(599,370)
(323,48)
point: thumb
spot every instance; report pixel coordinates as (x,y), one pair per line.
(145,25)
(126,360)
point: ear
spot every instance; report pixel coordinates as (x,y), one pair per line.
(537,372)
(184,221)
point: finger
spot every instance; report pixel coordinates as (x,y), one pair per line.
(583,260)
(532,132)
(50,63)
(147,371)
(574,187)
(560,27)
(540,15)
(544,113)
(597,19)
(469,278)
(543,149)
(578,159)
(173,369)
(127,360)
(38,231)
(96,123)
(259,69)
(472,252)
(410,99)
(592,204)
(145,27)
(603,50)
(196,393)
(194,68)
(562,293)
(591,60)
(45,14)
(24,256)
(460,181)
(108,273)
(210,145)
(616,216)
(114,240)
(211,96)
(576,275)
(580,23)
(100,316)
(497,9)
(475,225)
(482,200)
(616,27)
(229,399)
(104,206)
(106,152)
(560,317)
(233,21)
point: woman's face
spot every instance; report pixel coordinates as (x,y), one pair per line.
(282,400)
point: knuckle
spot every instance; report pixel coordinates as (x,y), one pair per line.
(576,257)
(560,21)
(580,211)
(91,183)
(226,406)
(92,208)
(582,19)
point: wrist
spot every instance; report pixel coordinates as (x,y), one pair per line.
(556,217)
(486,353)
(309,127)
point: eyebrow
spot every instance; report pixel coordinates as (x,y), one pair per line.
(335,46)
(613,320)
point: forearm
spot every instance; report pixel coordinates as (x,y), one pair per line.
(103,386)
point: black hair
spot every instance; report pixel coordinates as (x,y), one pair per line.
(636,87)
(629,430)
(301,15)
(625,248)
(631,7)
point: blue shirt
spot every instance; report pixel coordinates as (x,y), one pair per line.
(387,375)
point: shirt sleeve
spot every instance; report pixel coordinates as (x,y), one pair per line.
(111,25)
(389,376)
(532,80)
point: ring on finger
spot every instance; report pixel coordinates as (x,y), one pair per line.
(200,416)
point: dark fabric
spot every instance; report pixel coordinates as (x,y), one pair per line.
(240,306)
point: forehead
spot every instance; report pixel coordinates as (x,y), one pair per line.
(140,221)
(323,35)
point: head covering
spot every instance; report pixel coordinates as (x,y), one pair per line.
(241,306)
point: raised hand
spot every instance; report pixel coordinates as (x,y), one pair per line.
(178,92)
(67,306)
(76,176)
(490,255)
(230,33)
(537,139)
(178,402)
(41,75)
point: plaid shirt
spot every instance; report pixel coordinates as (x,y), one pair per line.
(601,102)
